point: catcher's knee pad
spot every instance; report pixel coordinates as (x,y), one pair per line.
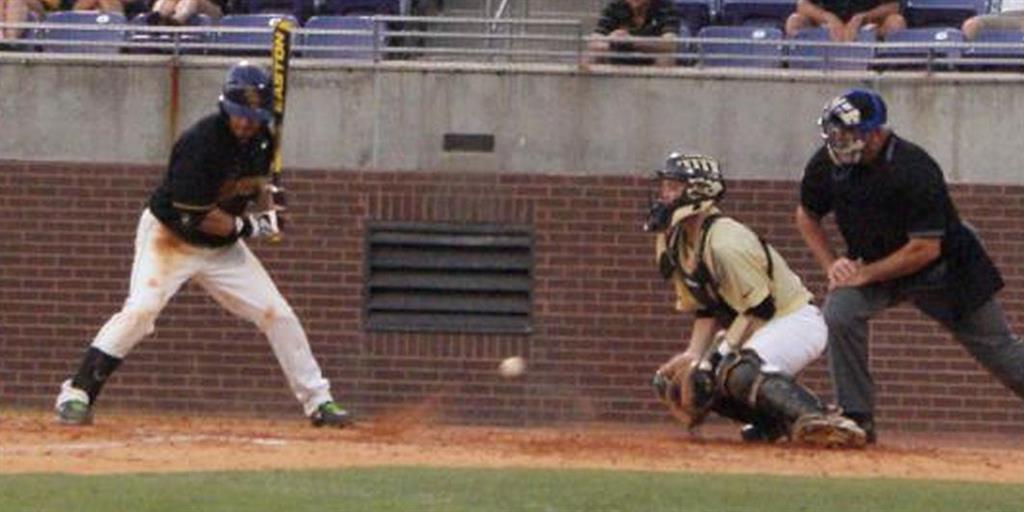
(739,376)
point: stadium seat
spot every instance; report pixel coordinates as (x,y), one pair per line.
(827,57)
(351,7)
(153,36)
(684,32)
(344,46)
(258,42)
(1013,49)
(730,54)
(884,56)
(760,12)
(941,13)
(25,43)
(696,14)
(83,40)
(265,7)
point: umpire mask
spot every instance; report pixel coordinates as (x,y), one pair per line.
(847,120)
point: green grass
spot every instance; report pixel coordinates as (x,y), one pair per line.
(455,490)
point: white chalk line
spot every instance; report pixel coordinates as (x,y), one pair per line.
(148,440)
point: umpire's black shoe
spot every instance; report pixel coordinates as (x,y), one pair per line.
(330,414)
(866,421)
(758,433)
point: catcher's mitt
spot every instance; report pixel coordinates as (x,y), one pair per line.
(685,384)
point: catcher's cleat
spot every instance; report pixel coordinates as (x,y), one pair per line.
(866,422)
(330,414)
(74,412)
(830,430)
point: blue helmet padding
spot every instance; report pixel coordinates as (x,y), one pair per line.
(247,93)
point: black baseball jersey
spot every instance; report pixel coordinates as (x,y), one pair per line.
(209,168)
(661,18)
(903,194)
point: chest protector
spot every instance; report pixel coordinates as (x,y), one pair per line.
(701,282)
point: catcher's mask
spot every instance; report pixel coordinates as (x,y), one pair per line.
(687,185)
(847,120)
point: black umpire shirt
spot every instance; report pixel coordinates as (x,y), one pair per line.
(209,169)
(903,194)
(661,18)
(845,9)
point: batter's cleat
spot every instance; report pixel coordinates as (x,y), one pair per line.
(330,414)
(73,406)
(74,412)
(829,430)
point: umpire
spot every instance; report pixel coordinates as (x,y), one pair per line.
(905,241)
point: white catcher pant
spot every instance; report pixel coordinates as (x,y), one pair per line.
(790,343)
(235,278)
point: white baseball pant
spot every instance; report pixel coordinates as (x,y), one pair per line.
(235,278)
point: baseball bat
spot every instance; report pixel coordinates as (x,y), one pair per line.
(280,54)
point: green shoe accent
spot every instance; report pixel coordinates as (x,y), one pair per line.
(330,414)
(74,412)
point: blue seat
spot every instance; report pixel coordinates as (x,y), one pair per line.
(351,7)
(774,12)
(344,46)
(946,13)
(265,7)
(257,41)
(829,57)
(884,56)
(83,40)
(1013,49)
(684,32)
(696,14)
(28,35)
(154,36)
(731,54)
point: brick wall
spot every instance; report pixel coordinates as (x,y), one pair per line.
(602,317)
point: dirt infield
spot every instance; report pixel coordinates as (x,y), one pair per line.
(31,442)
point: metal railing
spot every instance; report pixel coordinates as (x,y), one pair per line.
(503,40)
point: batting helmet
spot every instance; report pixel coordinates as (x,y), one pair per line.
(704,186)
(247,93)
(847,120)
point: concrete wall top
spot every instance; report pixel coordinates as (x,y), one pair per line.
(544,118)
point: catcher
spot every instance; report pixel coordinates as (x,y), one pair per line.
(755,325)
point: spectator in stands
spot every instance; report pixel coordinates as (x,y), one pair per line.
(17,11)
(178,12)
(845,18)
(1005,15)
(99,5)
(637,18)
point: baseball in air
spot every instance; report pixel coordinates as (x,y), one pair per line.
(512,367)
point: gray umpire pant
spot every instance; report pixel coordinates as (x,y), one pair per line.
(983,332)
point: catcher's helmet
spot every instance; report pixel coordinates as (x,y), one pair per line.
(247,93)
(704,186)
(846,121)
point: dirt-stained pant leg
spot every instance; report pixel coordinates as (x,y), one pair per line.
(847,312)
(238,281)
(162,264)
